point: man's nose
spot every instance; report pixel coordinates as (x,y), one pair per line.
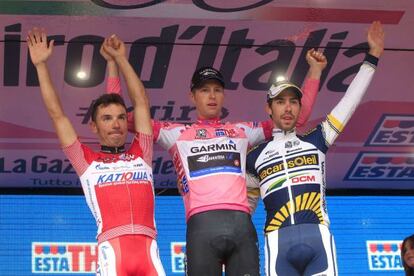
(288,107)
(116,124)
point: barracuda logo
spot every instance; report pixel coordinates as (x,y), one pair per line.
(214,147)
(206,158)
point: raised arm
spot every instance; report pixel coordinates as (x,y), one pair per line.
(343,111)
(113,84)
(317,62)
(136,90)
(40,51)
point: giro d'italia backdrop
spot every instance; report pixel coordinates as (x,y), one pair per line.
(55,235)
(250,41)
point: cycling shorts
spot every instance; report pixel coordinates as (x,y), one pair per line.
(221,238)
(129,255)
(300,250)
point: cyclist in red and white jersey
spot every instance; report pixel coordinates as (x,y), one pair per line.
(209,157)
(117,182)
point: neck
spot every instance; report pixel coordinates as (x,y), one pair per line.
(114,150)
(202,120)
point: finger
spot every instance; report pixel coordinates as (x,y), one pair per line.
(43,36)
(51,44)
(29,38)
(36,35)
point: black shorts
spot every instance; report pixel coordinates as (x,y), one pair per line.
(222,237)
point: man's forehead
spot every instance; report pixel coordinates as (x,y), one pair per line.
(289,92)
(111,108)
(211,82)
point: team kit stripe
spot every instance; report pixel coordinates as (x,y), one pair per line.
(307,201)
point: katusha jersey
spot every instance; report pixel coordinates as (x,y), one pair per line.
(290,169)
(118,187)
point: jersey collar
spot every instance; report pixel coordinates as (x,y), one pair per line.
(279,134)
(113,150)
(214,121)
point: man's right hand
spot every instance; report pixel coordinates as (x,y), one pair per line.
(317,62)
(39,49)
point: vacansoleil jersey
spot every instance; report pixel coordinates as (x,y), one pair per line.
(290,169)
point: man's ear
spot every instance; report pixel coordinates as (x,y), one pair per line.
(93,127)
(268,110)
(191,95)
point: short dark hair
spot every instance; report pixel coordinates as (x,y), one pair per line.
(105,100)
(410,241)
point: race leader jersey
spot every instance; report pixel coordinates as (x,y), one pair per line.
(118,187)
(210,156)
(290,169)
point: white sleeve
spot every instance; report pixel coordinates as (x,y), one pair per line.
(253,191)
(342,112)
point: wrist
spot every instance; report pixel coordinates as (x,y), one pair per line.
(314,73)
(376,52)
(120,58)
(40,64)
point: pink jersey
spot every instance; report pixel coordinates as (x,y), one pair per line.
(209,156)
(118,187)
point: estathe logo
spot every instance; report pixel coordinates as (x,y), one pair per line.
(382,166)
(393,130)
(384,255)
(178,257)
(64,257)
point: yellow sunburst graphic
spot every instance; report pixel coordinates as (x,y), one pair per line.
(307,201)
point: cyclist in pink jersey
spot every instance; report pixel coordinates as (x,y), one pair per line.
(209,158)
(117,182)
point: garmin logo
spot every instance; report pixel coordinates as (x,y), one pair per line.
(214,147)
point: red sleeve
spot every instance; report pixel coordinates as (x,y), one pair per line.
(310,90)
(156,127)
(131,122)
(267,128)
(146,145)
(76,155)
(113,85)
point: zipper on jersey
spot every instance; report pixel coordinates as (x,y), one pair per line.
(131,213)
(288,184)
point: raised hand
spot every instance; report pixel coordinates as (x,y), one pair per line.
(317,62)
(103,53)
(316,59)
(114,47)
(375,38)
(39,49)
